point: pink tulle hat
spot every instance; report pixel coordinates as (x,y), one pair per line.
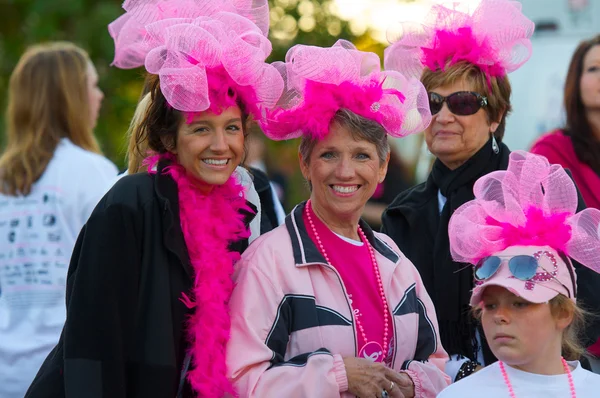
(495,37)
(528,209)
(132,39)
(203,61)
(320,81)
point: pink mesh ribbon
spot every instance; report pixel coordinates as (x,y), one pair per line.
(320,81)
(532,203)
(206,58)
(129,30)
(495,37)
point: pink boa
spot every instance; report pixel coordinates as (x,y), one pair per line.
(207,238)
(322,100)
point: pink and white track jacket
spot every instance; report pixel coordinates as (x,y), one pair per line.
(291,320)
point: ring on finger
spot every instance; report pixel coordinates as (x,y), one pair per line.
(384,394)
(392,386)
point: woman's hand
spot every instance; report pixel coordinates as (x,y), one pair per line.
(367,379)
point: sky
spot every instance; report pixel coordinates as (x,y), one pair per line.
(383,14)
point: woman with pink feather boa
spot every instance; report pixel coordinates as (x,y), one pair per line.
(150,277)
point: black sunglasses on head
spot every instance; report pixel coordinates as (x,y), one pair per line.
(462,103)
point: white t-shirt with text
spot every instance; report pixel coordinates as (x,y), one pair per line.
(37,236)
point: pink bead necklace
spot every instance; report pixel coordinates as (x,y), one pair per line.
(377,276)
(512,391)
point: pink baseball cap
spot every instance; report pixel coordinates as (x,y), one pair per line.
(528,209)
(553,276)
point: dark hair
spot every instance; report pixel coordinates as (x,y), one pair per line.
(578,127)
(496,89)
(361,129)
(158,129)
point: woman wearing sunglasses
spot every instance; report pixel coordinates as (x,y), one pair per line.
(463,64)
(463,61)
(519,232)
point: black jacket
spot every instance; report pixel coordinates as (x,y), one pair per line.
(124,333)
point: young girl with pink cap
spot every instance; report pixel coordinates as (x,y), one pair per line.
(519,232)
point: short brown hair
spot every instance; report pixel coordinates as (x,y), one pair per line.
(496,89)
(47,100)
(360,127)
(578,127)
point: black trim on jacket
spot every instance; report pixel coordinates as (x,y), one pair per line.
(298,312)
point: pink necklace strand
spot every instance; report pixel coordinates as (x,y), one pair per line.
(377,276)
(512,391)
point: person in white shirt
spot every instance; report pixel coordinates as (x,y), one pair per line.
(520,232)
(51,177)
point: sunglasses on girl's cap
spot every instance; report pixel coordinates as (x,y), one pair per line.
(522,267)
(462,103)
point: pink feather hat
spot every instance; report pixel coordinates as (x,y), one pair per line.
(495,37)
(320,81)
(528,209)
(206,58)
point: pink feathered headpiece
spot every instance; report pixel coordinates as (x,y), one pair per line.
(204,62)
(320,81)
(532,203)
(496,38)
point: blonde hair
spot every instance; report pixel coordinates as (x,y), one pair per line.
(137,149)
(496,89)
(571,338)
(47,101)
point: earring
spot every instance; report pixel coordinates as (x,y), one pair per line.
(495,146)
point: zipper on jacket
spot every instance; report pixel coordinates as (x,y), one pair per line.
(349,306)
(395,352)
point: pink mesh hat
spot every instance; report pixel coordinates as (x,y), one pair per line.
(129,30)
(204,62)
(527,210)
(320,81)
(495,37)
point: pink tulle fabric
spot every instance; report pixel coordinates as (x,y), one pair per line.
(495,37)
(532,203)
(129,30)
(204,62)
(320,81)
(207,239)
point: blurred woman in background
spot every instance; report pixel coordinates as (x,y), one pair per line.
(52,175)
(577,145)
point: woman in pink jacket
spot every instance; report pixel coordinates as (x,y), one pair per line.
(323,306)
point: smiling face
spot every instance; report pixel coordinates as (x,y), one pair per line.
(454,138)
(344,173)
(211,146)
(520,333)
(590,79)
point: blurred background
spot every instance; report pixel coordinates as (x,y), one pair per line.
(537,87)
